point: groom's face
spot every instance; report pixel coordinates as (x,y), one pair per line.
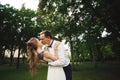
(44,40)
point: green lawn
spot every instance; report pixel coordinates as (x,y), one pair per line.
(83,71)
(105,71)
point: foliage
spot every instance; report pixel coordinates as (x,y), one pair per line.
(80,22)
(17,26)
(82,19)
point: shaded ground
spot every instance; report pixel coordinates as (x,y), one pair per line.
(84,71)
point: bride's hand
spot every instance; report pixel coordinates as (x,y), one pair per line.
(56,45)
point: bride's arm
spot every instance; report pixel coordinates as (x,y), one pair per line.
(56,49)
(54,57)
(43,61)
(48,55)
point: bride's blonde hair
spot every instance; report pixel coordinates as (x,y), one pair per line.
(32,46)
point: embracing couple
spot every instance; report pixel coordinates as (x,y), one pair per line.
(53,54)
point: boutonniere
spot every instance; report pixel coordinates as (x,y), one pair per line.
(45,47)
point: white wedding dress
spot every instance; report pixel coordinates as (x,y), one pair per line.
(55,72)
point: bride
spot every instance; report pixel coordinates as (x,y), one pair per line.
(36,54)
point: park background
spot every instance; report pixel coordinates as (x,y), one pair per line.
(90,28)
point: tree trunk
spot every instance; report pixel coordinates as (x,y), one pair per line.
(18,59)
(99,53)
(11,58)
(71,50)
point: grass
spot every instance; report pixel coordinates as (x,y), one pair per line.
(103,71)
(83,71)
(23,73)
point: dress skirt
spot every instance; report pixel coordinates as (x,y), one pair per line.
(55,73)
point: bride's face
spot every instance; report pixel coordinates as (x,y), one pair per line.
(39,43)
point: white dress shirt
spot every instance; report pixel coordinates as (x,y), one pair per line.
(63,59)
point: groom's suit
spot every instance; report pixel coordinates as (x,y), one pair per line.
(62,61)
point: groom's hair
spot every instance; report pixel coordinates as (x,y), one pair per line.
(46,33)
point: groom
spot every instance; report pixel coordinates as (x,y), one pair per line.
(63,60)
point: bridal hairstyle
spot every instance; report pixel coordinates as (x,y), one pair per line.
(32,45)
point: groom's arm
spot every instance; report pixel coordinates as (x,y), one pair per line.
(61,57)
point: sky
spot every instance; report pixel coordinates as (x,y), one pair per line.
(32,4)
